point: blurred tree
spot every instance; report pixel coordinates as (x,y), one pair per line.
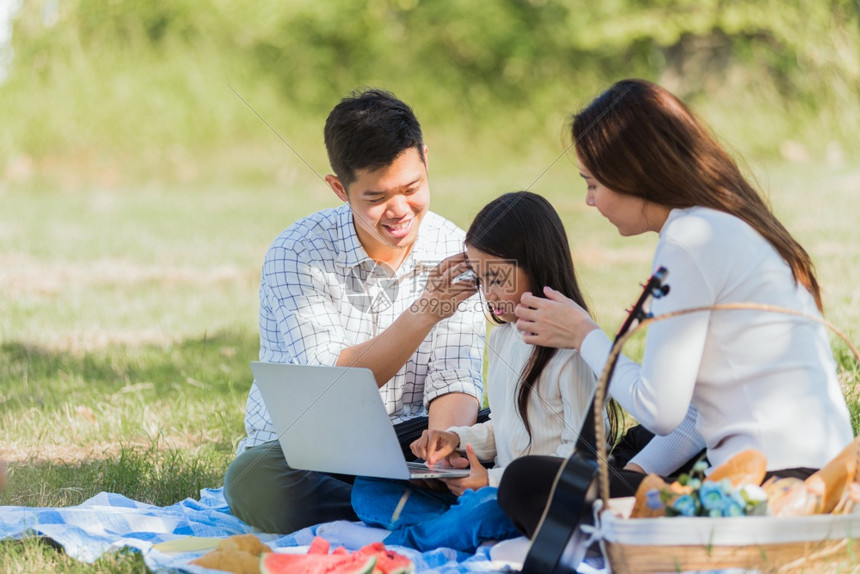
(107,74)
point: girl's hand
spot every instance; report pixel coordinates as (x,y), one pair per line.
(553,322)
(477,476)
(434,445)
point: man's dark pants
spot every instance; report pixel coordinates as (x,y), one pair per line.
(263,491)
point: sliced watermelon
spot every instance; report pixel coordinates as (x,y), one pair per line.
(319,545)
(277,563)
(372,559)
(387,561)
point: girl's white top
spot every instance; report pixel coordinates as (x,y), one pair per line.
(557,404)
(757,379)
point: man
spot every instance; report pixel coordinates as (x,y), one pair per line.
(359,285)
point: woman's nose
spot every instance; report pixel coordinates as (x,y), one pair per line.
(589,198)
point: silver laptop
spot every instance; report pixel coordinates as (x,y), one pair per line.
(331,419)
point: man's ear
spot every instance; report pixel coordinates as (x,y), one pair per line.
(426,158)
(339,190)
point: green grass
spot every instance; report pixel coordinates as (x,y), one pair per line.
(128,312)
(38,555)
(185,398)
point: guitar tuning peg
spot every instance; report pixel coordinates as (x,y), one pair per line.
(659,291)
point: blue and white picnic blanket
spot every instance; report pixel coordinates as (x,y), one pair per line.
(109,522)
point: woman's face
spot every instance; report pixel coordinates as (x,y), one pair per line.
(502,282)
(631,215)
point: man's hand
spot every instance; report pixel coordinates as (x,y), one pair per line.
(478,477)
(434,445)
(442,296)
(388,351)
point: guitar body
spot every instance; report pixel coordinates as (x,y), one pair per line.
(558,545)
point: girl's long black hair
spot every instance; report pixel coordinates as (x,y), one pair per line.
(524,227)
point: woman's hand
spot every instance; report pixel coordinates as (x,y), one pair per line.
(477,478)
(434,445)
(553,322)
(442,295)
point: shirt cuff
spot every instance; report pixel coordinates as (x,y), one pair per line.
(484,448)
(595,350)
(465,381)
(494,476)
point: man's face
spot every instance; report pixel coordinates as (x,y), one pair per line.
(388,205)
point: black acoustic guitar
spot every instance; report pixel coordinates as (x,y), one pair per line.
(558,545)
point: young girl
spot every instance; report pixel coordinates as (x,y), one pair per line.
(744,379)
(538,395)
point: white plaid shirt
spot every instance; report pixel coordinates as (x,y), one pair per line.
(320,292)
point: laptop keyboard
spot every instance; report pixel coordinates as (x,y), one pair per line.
(419,468)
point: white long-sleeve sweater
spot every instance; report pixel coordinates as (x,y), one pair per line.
(758,379)
(557,404)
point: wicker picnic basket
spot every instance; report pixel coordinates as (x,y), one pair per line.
(817,543)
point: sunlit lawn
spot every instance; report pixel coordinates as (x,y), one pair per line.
(128,315)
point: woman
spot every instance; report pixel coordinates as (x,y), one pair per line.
(746,379)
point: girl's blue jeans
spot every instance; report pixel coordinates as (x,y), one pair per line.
(429,519)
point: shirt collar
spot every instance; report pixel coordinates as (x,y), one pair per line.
(350,251)
(674,214)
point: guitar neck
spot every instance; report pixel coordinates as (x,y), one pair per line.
(586,444)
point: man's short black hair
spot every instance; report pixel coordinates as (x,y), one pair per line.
(368,130)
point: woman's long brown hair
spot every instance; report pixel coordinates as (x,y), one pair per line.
(638,139)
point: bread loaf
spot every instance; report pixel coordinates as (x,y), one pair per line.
(832,483)
(640,507)
(746,467)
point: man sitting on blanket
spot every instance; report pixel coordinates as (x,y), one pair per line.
(367,284)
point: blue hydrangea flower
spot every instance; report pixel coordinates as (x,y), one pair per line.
(653,499)
(708,498)
(685,505)
(732,508)
(711,496)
